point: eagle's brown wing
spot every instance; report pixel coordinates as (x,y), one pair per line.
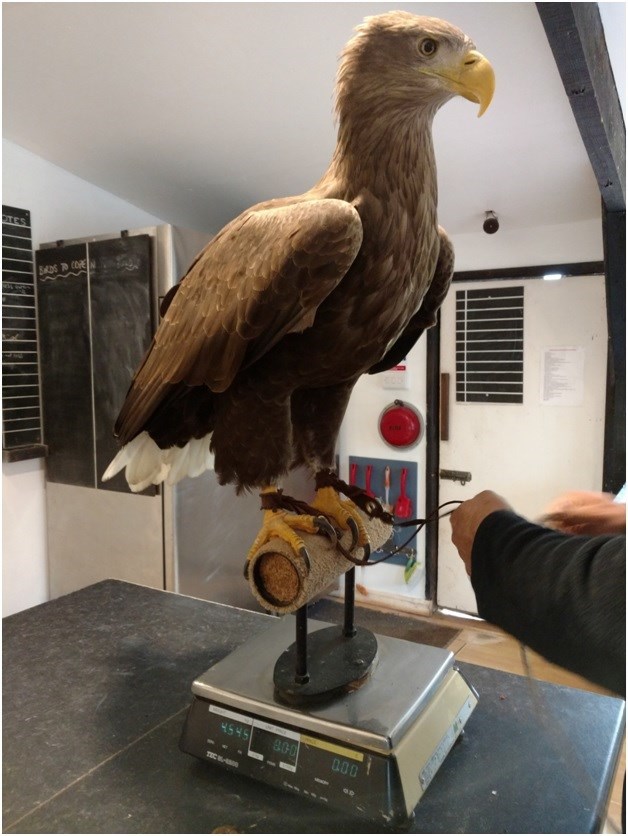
(425,317)
(262,277)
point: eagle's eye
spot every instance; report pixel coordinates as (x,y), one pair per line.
(428,47)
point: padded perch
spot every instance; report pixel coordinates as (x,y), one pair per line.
(280,580)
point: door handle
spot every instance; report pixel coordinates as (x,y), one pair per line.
(462,476)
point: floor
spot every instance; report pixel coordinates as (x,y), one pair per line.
(482,644)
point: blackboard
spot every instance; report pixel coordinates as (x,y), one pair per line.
(66,380)
(95,327)
(21,411)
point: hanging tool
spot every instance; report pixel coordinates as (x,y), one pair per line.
(353,474)
(387,506)
(403,506)
(410,566)
(367,484)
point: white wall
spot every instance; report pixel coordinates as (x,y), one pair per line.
(61,206)
(614,22)
(562,243)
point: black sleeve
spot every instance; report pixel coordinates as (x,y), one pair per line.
(562,595)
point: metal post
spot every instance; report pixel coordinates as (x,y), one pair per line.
(349,628)
(301,675)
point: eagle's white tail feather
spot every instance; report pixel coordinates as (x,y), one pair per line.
(123,457)
(147,464)
(179,464)
(191,460)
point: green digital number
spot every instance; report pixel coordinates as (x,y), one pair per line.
(235,729)
(344,767)
(284,747)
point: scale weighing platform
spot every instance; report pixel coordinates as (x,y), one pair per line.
(370,752)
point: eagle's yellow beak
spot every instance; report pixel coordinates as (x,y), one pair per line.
(473,78)
(476,79)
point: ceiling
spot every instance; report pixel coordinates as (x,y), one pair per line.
(194,111)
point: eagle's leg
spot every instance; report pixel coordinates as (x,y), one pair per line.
(236,422)
(282,518)
(316,418)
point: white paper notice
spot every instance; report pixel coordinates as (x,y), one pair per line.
(562,377)
(396,378)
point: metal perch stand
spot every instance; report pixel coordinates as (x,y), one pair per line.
(328,662)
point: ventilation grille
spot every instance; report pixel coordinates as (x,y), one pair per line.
(489,345)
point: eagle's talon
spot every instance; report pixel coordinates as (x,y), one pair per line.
(303,552)
(355,533)
(366,547)
(325,527)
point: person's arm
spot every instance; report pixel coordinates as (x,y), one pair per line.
(562,595)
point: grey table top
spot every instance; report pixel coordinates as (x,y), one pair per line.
(97,684)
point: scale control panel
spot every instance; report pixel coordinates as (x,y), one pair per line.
(311,766)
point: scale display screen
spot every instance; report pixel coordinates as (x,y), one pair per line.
(274,744)
(317,768)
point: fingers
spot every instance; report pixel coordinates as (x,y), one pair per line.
(466,520)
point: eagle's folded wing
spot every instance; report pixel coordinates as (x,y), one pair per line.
(262,277)
(425,317)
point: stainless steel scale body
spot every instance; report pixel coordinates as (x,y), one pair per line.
(372,751)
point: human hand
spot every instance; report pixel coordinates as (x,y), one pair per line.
(585,512)
(466,520)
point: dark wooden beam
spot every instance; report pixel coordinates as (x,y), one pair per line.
(576,37)
(432,460)
(533,271)
(614,229)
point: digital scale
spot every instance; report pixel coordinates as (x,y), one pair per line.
(370,751)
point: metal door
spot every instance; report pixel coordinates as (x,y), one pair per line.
(550,369)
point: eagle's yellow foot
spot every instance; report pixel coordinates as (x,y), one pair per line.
(285,524)
(345,514)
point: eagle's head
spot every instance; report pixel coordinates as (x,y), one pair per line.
(412,62)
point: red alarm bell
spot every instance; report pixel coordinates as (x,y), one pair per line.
(401,425)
